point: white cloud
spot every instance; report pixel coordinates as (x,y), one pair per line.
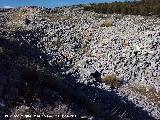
(8,6)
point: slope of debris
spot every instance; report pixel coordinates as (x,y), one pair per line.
(108,63)
(130,51)
(24,67)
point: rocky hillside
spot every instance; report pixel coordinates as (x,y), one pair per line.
(67,61)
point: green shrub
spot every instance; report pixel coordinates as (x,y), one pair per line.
(133,7)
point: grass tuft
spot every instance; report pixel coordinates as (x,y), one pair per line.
(112,80)
(107,23)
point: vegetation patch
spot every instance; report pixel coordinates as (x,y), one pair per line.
(107,23)
(58,18)
(149,92)
(112,80)
(139,7)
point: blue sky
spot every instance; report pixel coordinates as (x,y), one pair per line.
(47,3)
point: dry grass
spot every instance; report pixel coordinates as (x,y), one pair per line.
(58,18)
(16,21)
(107,23)
(111,80)
(150,93)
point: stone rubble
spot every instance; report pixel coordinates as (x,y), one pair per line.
(74,41)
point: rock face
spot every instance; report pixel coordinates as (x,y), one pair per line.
(70,41)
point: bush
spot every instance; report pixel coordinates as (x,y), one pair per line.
(112,80)
(107,23)
(139,7)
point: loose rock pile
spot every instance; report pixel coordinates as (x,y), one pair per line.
(74,42)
